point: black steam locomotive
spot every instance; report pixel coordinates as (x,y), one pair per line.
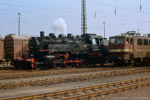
(65,51)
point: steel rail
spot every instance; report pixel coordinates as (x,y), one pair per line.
(55,80)
(90,92)
(50,72)
(24,74)
(55,72)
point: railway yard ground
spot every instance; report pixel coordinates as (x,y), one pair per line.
(99,83)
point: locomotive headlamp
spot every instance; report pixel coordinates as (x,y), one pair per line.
(85,46)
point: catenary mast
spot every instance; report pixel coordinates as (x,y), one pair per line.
(83,18)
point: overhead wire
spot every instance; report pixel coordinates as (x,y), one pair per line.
(46,9)
(18,1)
(106,4)
(42,8)
(98,17)
(118,15)
(38,8)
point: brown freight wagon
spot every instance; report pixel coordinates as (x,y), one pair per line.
(1,49)
(16,48)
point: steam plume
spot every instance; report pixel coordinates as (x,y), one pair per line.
(60,25)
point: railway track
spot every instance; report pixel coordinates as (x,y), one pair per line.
(89,92)
(82,77)
(11,69)
(23,74)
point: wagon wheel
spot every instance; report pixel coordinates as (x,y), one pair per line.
(16,65)
(37,67)
(102,62)
(50,63)
(57,65)
(120,63)
(68,65)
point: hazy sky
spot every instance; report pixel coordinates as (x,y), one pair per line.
(39,15)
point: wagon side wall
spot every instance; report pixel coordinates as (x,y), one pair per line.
(141,51)
(1,49)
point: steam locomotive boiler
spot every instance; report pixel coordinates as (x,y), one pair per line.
(63,51)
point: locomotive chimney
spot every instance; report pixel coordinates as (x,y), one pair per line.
(42,34)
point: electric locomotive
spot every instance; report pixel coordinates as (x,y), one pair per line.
(129,48)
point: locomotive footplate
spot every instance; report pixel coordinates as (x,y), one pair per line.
(39,63)
(66,63)
(58,61)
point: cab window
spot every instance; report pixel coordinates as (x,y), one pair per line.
(98,41)
(131,41)
(139,42)
(127,40)
(112,40)
(88,41)
(120,40)
(94,41)
(145,41)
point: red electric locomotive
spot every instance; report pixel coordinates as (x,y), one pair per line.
(129,48)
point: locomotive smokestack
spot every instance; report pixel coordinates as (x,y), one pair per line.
(42,34)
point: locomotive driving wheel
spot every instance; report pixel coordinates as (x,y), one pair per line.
(102,61)
(59,63)
(37,65)
(68,65)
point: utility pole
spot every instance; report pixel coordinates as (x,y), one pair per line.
(19,23)
(83,18)
(138,30)
(104,29)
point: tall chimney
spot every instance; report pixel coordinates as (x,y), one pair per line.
(42,34)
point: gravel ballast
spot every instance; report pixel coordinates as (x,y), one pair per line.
(31,90)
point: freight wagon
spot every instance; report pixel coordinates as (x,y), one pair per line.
(1,49)
(16,49)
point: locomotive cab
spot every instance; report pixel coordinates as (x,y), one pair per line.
(121,48)
(94,43)
(97,48)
